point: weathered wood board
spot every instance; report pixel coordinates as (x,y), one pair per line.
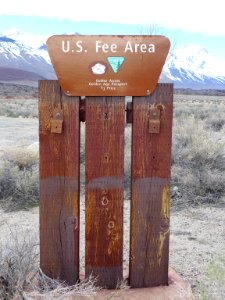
(150,203)
(59,184)
(105,121)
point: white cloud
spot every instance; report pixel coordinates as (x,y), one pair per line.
(191,15)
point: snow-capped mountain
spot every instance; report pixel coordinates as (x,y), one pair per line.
(24,58)
(191,66)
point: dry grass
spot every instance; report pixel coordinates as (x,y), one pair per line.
(23,108)
(21,278)
(49,289)
(14,91)
(19,179)
(198,156)
(18,265)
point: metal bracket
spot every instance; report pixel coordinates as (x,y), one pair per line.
(57,120)
(154,120)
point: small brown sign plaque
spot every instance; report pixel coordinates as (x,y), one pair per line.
(108,65)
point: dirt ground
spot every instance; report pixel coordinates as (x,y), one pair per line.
(197,240)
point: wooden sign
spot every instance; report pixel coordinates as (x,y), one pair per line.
(108,65)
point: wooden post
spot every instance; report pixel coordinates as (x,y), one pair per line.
(105,118)
(59,184)
(150,203)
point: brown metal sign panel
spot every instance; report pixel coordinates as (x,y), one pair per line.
(108,65)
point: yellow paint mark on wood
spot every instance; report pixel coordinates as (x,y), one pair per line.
(165,208)
(162,237)
(165,214)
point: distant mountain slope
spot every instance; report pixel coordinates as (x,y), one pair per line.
(10,74)
(24,57)
(193,67)
(19,51)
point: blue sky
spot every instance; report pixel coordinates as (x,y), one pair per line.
(197,22)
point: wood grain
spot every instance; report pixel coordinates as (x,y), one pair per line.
(59,185)
(151,156)
(104,188)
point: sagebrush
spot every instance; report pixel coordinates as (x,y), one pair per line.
(19,178)
(21,278)
(198,161)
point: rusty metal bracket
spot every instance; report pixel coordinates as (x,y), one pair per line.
(57,120)
(154,120)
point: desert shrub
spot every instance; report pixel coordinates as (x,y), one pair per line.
(216,124)
(7,183)
(19,185)
(198,163)
(25,108)
(21,278)
(18,265)
(23,158)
